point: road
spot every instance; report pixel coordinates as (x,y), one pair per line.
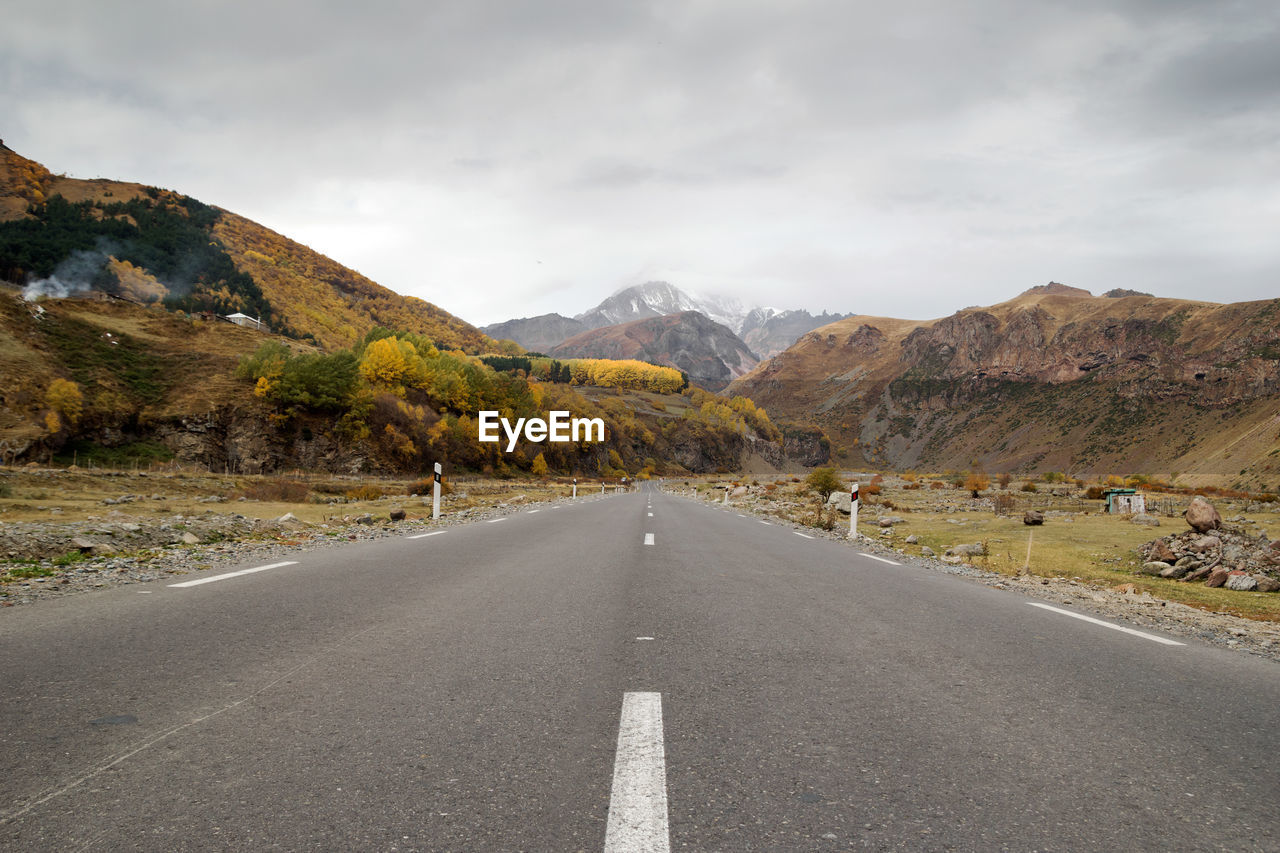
(466,691)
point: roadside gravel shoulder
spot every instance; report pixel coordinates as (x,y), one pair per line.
(248,540)
(1139,609)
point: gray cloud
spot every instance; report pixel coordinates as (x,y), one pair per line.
(507,158)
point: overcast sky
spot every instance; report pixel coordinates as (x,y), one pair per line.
(506,159)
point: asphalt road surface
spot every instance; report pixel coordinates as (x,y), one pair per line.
(638,672)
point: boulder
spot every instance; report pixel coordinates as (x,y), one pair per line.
(84,546)
(926,551)
(397,514)
(1204,543)
(1190,562)
(1241,581)
(1199,573)
(891,520)
(840,501)
(1160,550)
(912,539)
(976,549)
(1174,572)
(287,518)
(738,492)
(189,538)
(1217,577)
(1201,516)
(1268,585)
(364,519)
(1153,567)
(1148,520)
(1033,517)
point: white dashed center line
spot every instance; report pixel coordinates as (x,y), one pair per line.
(234,574)
(638,800)
(531,511)
(1152,637)
(648,539)
(770,523)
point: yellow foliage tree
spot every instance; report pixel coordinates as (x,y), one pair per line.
(539,467)
(64,397)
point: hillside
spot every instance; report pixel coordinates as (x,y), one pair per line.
(539,334)
(768,331)
(708,352)
(73,235)
(1055,379)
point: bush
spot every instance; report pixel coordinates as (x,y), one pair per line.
(277,490)
(365,493)
(1094,493)
(1028,486)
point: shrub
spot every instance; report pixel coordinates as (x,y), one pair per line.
(1028,486)
(366,492)
(278,490)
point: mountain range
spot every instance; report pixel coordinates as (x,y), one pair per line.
(1054,379)
(737,337)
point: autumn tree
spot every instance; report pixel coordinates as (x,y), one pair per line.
(539,467)
(977,480)
(63,396)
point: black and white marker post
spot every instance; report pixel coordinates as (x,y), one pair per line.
(575,487)
(435,495)
(853,512)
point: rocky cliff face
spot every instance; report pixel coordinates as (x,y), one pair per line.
(1055,377)
(710,353)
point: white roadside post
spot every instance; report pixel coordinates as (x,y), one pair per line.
(575,487)
(602,488)
(853,512)
(726,495)
(435,495)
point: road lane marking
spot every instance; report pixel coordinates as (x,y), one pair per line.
(805,535)
(740,515)
(425,535)
(644,638)
(495,520)
(770,523)
(881,559)
(1113,627)
(638,800)
(531,511)
(234,574)
(648,539)
(650,515)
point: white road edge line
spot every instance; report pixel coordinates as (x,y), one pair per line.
(770,523)
(425,535)
(648,539)
(1084,618)
(234,574)
(638,800)
(496,520)
(881,559)
(531,511)
(805,535)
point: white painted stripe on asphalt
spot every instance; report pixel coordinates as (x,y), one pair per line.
(1084,618)
(881,559)
(805,535)
(234,574)
(650,514)
(496,520)
(648,539)
(425,535)
(740,515)
(638,801)
(531,512)
(770,523)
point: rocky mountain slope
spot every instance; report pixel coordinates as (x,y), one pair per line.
(539,334)
(66,235)
(707,351)
(768,331)
(656,299)
(1055,379)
